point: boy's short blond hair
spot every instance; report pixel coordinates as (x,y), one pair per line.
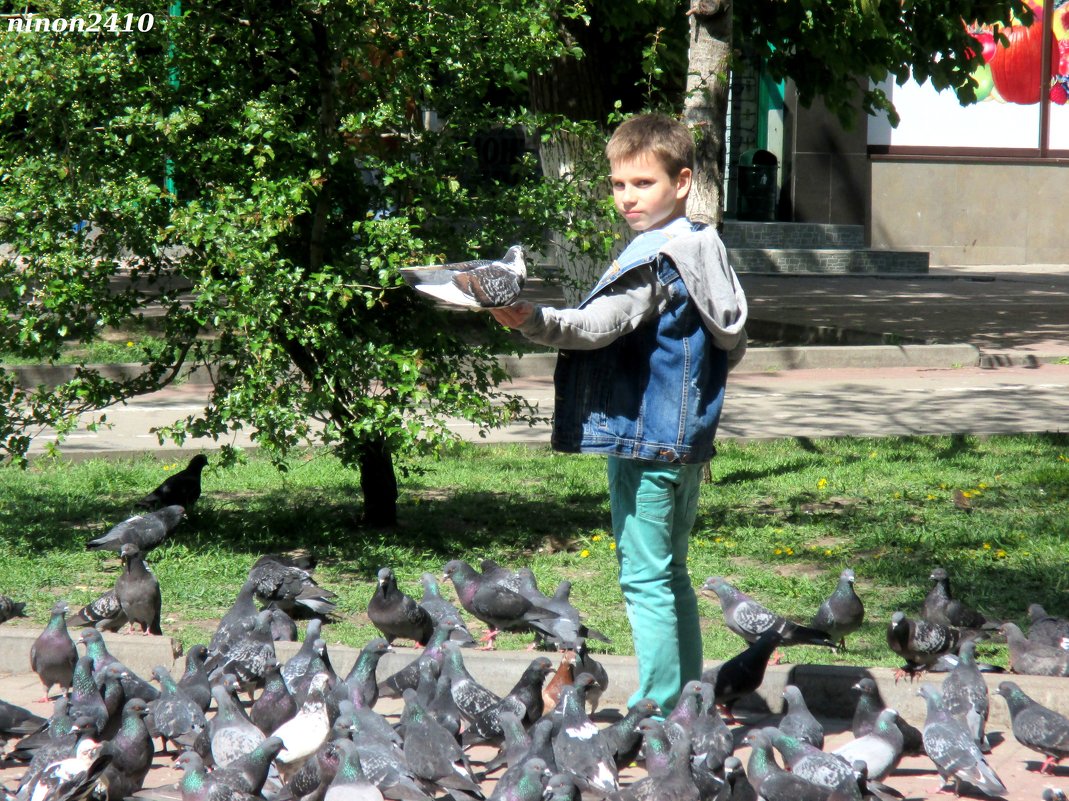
(658,135)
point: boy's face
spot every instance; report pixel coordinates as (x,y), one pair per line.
(646,195)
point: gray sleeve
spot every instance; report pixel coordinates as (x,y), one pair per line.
(626,304)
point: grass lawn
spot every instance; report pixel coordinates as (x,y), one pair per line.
(779,519)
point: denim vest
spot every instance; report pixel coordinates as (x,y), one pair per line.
(653,394)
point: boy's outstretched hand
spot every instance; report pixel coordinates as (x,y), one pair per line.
(515,315)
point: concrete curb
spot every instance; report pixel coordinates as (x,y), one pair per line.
(826,688)
(52,375)
(806,357)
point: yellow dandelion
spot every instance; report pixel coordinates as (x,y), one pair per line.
(596,538)
(930,497)
(943,485)
(822,483)
(1000,554)
(987,546)
(981,485)
(827,551)
(612,546)
(583,554)
(778,552)
(129,344)
(718,539)
(968,494)
(872,455)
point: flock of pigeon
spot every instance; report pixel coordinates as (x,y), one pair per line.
(307,733)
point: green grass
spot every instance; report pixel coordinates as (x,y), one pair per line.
(779,519)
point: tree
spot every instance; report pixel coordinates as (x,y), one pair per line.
(252,177)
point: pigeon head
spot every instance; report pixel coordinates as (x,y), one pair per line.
(938,575)
(136,706)
(198,462)
(128,551)
(848,575)
(865,686)
(385,576)
(60,608)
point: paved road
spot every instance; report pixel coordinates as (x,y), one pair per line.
(794,403)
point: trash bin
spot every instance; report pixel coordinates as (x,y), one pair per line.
(757,186)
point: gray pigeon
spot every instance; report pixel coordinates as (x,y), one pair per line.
(742,674)
(232,733)
(197,784)
(74,777)
(349,782)
(579,749)
(749,619)
(439,608)
(10,608)
(772,782)
(869,706)
(175,717)
(408,677)
(297,665)
(568,628)
(311,780)
(85,699)
(799,721)
(145,531)
(181,489)
(624,737)
(711,741)
(282,581)
(103,613)
(500,608)
(472,698)
(880,749)
(53,655)
(194,680)
(524,700)
(396,614)
(133,685)
(1037,727)
(481,283)
(940,606)
(1031,658)
(737,787)
(283,627)
(586,663)
(18,721)
(132,755)
(951,747)
(527,783)
(671,779)
(361,679)
(250,772)
(1046,629)
(138,591)
(233,625)
(275,705)
(809,762)
(920,642)
(842,612)
(248,656)
(965,694)
(431,752)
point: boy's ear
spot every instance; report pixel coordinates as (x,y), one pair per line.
(683,181)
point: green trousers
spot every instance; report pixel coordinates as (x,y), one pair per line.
(653,510)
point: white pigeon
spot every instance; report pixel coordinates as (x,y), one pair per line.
(302,734)
(482,283)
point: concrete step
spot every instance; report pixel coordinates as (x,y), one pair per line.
(833,261)
(738,234)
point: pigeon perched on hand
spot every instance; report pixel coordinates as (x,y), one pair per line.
(842,612)
(749,619)
(1035,726)
(145,531)
(181,489)
(481,283)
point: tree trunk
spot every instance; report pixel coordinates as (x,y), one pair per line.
(572,89)
(378,484)
(705,107)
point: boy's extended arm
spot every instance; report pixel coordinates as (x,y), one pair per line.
(630,301)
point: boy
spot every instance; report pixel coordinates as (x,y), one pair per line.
(640,378)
